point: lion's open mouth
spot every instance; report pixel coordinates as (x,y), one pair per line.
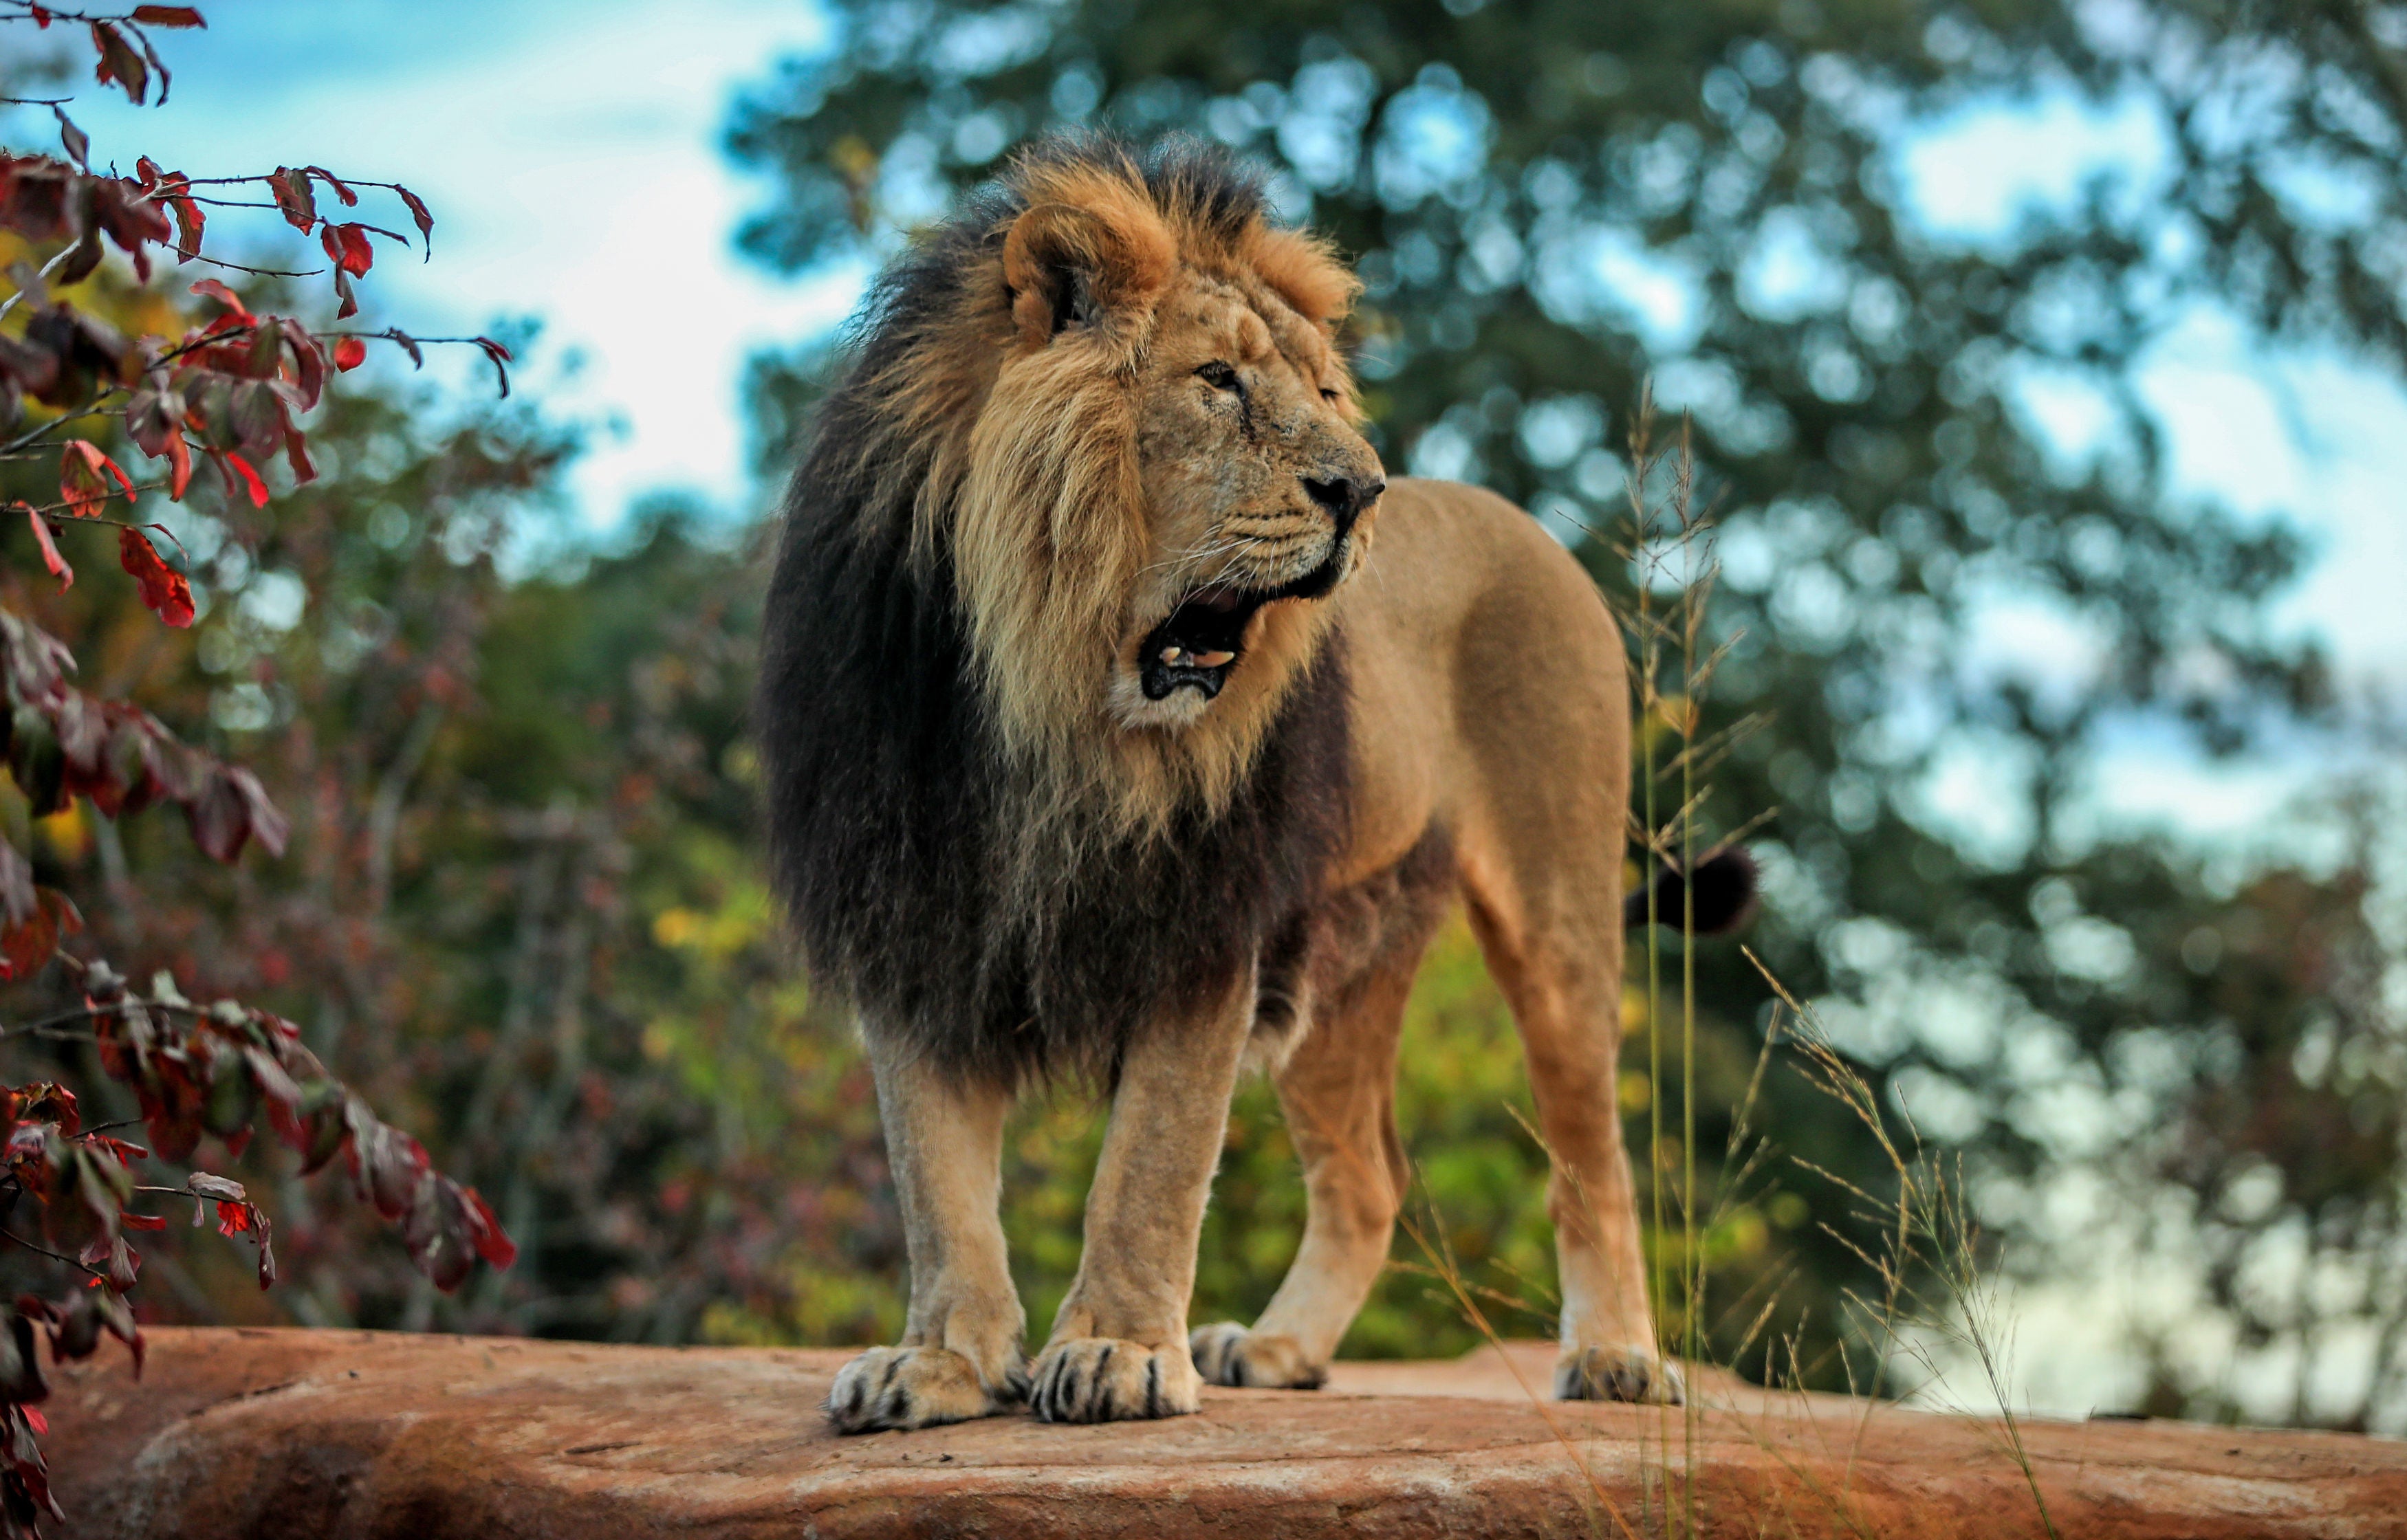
(1198,644)
(1205,635)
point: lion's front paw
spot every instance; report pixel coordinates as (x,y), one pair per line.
(1228,1354)
(1617,1373)
(913,1388)
(1104,1379)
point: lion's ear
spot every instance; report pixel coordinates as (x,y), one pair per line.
(1080,260)
(1305,272)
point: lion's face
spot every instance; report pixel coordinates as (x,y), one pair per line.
(1257,490)
(1140,456)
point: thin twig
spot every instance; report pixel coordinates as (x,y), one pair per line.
(11,1235)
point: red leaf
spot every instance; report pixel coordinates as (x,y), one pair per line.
(297,455)
(190,223)
(307,375)
(50,557)
(500,357)
(47,1101)
(346,246)
(154,419)
(77,143)
(235,465)
(168,15)
(387,1164)
(342,190)
(24,949)
(290,186)
(425,221)
(119,62)
(485,1232)
(163,589)
(126,1153)
(232,1218)
(350,353)
(142,1221)
(230,807)
(211,288)
(81,483)
(179,461)
(35,1421)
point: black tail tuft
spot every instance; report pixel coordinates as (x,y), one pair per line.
(1725,896)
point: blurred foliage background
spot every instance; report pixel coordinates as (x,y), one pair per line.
(524,909)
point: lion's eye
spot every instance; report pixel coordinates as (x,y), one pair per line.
(1218,375)
(1328,395)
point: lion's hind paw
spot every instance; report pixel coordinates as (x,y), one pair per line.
(1228,1354)
(900,1388)
(1104,1379)
(1617,1373)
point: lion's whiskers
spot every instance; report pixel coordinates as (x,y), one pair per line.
(1198,554)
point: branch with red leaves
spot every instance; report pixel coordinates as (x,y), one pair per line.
(127,58)
(61,743)
(233,390)
(195,1071)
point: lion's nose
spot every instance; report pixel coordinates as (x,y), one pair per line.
(1344,496)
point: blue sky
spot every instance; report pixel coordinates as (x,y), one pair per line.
(571,152)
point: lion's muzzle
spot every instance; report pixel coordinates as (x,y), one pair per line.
(1202,641)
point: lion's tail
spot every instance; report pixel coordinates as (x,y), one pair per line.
(1725,895)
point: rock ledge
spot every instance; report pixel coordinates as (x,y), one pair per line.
(249,1434)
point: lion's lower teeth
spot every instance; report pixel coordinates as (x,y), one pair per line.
(1213,660)
(1172,655)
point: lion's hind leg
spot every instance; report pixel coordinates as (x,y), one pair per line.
(961,1355)
(1338,1092)
(1560,967)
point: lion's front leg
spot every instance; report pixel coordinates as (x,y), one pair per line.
(1118,1349)
(961,1354)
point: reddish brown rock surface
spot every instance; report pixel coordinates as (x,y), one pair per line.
(236,1434)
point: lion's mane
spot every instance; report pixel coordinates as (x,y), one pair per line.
(965,845)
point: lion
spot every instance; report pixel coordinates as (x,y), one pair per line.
(1124,721)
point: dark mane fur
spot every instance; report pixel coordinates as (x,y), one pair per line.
(891,807)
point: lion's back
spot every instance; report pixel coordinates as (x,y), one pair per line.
(1488,676)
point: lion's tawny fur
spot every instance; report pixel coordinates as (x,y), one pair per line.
(1023,459)
(1095,411)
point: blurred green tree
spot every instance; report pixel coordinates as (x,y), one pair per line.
(1552,203)
(519,904)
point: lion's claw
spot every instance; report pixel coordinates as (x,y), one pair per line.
(902,1388)
(1104,1379)
(1228,1354)
(1617,1373)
